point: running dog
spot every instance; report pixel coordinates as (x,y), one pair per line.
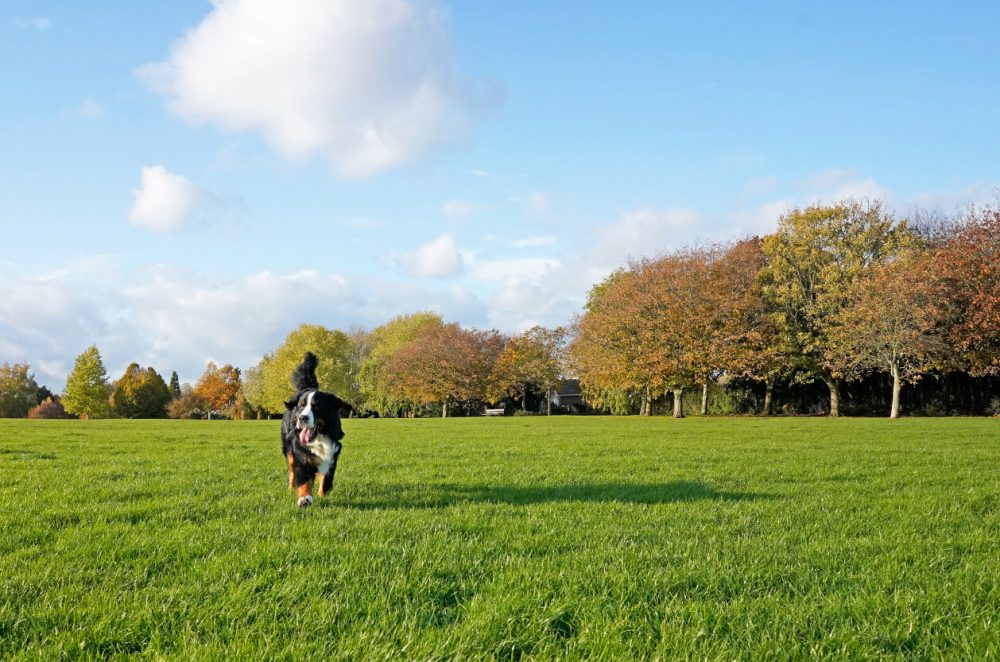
(311,433)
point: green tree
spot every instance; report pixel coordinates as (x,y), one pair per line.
(268,385)
(140,393)
(87,390)
(812,260)
(175,385)
(18,390)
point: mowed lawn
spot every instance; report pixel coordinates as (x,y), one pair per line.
(561,538)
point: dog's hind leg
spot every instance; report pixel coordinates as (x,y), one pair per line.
(325,483)
(291,471)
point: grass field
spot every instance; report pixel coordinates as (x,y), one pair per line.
(578,538)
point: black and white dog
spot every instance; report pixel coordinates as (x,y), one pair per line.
(311,433)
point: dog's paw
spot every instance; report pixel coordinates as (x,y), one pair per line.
(305,501)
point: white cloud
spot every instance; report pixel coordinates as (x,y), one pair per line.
(647,232)
(173,319)
(436,259)
(457,208)
(524,268)
(370,84)
(165,200)
(38,23)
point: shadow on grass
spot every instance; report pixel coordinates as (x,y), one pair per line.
(442,496)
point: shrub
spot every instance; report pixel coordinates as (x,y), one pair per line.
(51,407)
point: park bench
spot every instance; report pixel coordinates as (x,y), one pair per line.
(494,412)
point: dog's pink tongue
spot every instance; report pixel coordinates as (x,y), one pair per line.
(305,436)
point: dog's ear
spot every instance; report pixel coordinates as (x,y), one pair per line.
(290,404)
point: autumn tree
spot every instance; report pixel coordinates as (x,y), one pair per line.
(649,329)
(812,260)
(966,272)
(604,351)
(19,391)
(87,390)
(268,385)
(747,343)
(375,380)
(891,323)
(218,387)
(444,365)
(530,360)
(140,393)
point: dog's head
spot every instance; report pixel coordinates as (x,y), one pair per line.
(316,413)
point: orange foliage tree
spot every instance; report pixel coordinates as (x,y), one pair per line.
(966,272)
(445,365)
(893,323)
(219,387)
(530,360)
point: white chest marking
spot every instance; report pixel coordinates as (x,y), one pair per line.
(324,449)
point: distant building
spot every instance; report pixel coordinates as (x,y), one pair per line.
(568,396)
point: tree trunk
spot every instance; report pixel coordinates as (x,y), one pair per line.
(704,398)
(768,396)
(896,388)
(548,402)
(834,385)
(678,403)
(645,403)
(524,399)
(444,410)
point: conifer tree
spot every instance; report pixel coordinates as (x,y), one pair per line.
(87,389)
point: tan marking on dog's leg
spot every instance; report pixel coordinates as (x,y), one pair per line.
(306,489)
(321,480)
(291,471)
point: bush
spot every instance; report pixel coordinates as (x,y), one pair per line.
(51,407)
(188,405)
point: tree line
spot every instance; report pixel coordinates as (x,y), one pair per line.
(840,297)
(836,294)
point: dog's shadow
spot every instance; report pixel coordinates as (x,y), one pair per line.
(393,496)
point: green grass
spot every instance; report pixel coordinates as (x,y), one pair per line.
(580,538)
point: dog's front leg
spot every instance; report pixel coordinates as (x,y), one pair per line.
(305,493)
(321,480)
(291,472)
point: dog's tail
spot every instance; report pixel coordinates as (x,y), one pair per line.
(304,377)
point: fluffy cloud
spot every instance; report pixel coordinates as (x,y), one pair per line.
(370,84)
(164,201)
(646,232)
(436,259)
(173,319)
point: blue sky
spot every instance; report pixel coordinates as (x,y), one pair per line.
(185,181)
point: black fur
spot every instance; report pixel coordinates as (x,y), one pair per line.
(304,377)
(325,409)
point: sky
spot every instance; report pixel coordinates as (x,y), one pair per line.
(186,181)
